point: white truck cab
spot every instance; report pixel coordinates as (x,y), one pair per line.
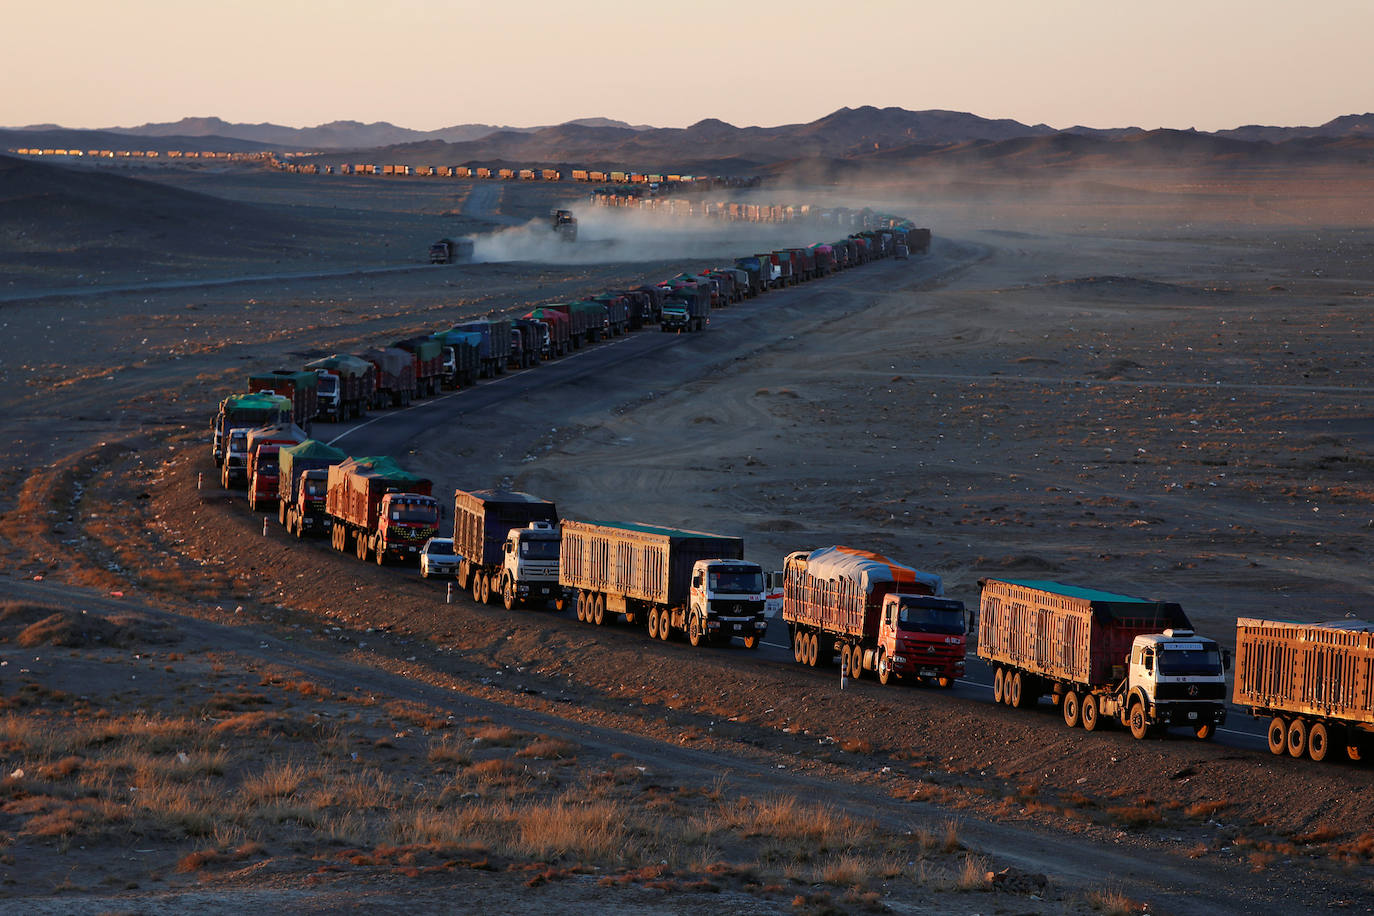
(529,568)
(728,598)
(1177,679)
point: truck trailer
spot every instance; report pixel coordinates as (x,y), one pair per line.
(1313,681)
(1100,656)
(379,510)
(297,386)
(674,580)
(509,544)
(874,613)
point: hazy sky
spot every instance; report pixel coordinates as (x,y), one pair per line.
(425,64)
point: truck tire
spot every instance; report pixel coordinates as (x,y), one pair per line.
(665,625)
(486,589)
(884,668)
(1073,706)
(477,586)
(1296,741)
(508,593)
(360,547)
(1140,726)
(653,623)
(813,650)
(1015,698)
(999,685)
(1318,742)
(798,646)
(598,609)
(694,634)
(281,513)
(1278,736)
(380,555)
(1089,713)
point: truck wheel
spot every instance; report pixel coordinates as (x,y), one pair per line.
(1318,744)
(1015,698)
(508,594)
(477,587)
(360,547)
(1278,735)
(380,554)
(599,610)
(1297,737)
(1073,705)
(1205,732)
(281,513)
(798,646)
(813,649)
(1088,714)
(999,685)
(1139,726)
(665,625)
(885,668)
(653,623)
(486,589)
(752,641)
(694,631)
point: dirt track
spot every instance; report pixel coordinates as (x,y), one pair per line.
(1175,417)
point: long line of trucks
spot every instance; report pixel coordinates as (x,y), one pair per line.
(345,386)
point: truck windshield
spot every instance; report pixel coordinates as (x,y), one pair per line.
(315,488)
(930,620)
(541,549)
(1199,662)
(267,469)
(732,581)
(414,514)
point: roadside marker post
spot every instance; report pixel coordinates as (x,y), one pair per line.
(200,479)
(264,526)
(449,599)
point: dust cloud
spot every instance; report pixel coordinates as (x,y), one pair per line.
(614,234)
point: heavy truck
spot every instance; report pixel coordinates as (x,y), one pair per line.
(429,359)
(673,580)
(394,370)
(461,358)
(450,251)
(494,344)
(302,479)
(874,613)
(346,384)
(379,510)
(245,411)
(1313,681)
(300,387)
(1100,656)
(509,542)
(557,339)
(565,224)
(261,447)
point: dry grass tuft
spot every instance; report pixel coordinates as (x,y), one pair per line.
(973,874)
(548,749)
(1112,902)
(1204,809)
(498,736)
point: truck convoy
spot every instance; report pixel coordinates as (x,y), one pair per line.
(1100,656)
(1314,682)
(379,510)
(302,479)
(509,544)
(261,446)
(676,580)
(875,613)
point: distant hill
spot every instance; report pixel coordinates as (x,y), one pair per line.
(866,135)
(334,135)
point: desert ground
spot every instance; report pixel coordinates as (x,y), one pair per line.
(1153,382)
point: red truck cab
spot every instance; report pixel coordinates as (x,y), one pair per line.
(405,521)
(921,636)
(262,476)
